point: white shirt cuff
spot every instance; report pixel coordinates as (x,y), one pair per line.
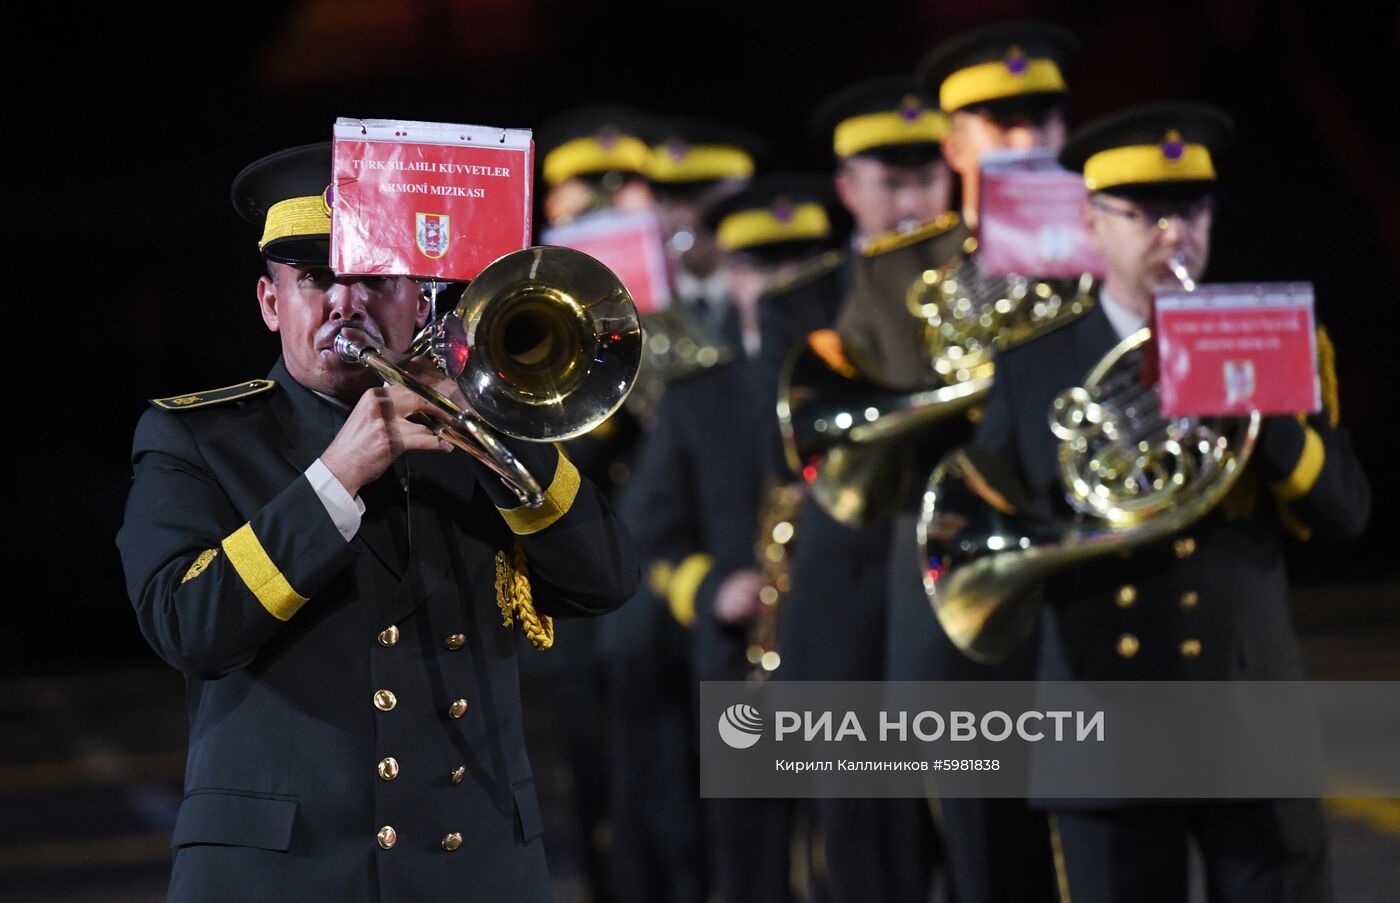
(345,511)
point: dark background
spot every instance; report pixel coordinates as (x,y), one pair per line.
(143,285)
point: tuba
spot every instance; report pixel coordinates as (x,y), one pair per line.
(1132,475)
(847,432)
(544,344)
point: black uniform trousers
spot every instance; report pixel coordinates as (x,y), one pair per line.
(833,628)
(1254,852)
(695,500)
(996,849)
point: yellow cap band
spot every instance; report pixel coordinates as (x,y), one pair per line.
(700,163)
(1146,164)
(296,218)
(760,227)
(996,81)
(861,133)
(589,155)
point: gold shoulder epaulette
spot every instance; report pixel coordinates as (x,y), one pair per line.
(214,396)
(809,271)
(892,241)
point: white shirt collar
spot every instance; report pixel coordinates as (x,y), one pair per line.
(714,288)
(333,400)
(1125,322)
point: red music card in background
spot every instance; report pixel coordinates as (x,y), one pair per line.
(1029,220)
(1232,349)
(428,199)
(629,244)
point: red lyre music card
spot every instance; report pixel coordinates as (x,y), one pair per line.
(1029,220)
(428,199)
(1235,348)
(629,244)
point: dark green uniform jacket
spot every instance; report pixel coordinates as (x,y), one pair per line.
(354,707)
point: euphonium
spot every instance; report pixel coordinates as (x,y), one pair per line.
(842,427)
(544,344)
(1132,474)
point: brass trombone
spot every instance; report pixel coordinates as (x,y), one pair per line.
(544,345)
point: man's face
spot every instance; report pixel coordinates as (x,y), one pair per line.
(973,135)
(749,277)
(883,198)
(308,307)
(572,198)
(1137,240)
(689,244)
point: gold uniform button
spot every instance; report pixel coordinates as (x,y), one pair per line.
(1190,648)
(455,642)
(452,842)
(388,768)
(1190,600)
(1126,596)
(457,709)
(1128,645)
(458,773)
(389,635)
(384,700)
(1185,547)
(388,837)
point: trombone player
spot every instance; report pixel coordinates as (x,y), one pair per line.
(1209,603)
(333,586)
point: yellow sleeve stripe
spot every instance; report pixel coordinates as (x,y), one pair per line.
(558,498)
(1327,370)
(246,554)
(1305,473)
(1292,524)
(659,576)
(685,582)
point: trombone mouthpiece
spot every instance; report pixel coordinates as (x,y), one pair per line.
(348,350)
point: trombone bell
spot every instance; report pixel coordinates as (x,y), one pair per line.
(554,343)
(544,344)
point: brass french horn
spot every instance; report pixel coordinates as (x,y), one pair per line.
(544,344)
(1132,474)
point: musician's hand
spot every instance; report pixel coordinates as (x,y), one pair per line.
(737,600)
(376,433)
